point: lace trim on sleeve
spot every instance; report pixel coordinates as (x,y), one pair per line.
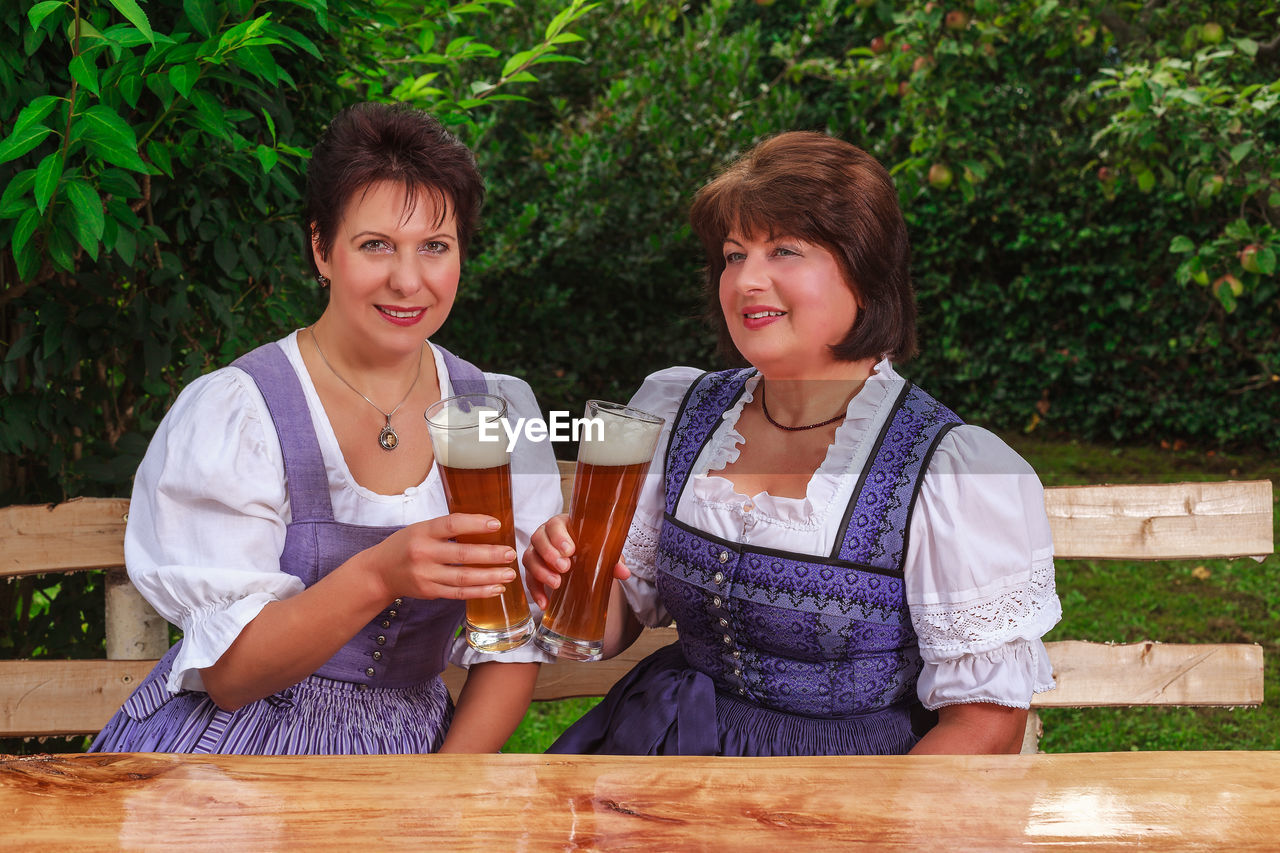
(641,550)
(1023,611)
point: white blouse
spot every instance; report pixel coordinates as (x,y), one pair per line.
(210,505)
(979,565)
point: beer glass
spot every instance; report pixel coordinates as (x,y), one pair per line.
(475,466)
(614,452)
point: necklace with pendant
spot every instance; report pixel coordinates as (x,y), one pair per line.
(387,438)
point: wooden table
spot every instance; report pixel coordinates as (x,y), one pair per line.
(1226,801)
(1152,800)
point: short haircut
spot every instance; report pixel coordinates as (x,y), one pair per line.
(368,143)
(822,190)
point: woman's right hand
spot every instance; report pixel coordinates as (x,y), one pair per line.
(423,560)
(547,558)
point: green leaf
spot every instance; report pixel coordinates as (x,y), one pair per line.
(111,138)
(521,58)
(25,228)
(292,36)
(267,157)
(224,252)
(1225,296)
(1266,260)
(22,140)
(258,62)
(48,173)
(133,12)
(1239,230)
(28,261)
(1241,151)
(1146,180)
(1248,46)
(1181,245)
(130,87)
(89,218)
(159,155)
(183,77)
(271,123)
(85,71)
(36,111)
(86,31)
(11,202)
(37,13)
(61,249)
(557,24)
(211,116)
(201,15)
(126,245)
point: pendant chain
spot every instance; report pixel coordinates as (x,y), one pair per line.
(387,438)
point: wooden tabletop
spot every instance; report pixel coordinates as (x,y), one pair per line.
(1152,800)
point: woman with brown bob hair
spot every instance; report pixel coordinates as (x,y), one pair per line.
(288,515)
(851,568)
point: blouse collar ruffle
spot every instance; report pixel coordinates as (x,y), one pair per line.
(861,416)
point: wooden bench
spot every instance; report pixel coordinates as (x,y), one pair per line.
(44,698)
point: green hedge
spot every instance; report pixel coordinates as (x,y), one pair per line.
(1050,298)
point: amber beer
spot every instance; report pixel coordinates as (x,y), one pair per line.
(612,464)
(477,479)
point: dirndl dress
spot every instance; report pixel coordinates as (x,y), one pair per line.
(780,653)
(380,693)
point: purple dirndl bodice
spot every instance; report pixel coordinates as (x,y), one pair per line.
(380,693)
(781,653)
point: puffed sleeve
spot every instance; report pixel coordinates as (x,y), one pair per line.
(660,394)
(979,575)
(207,519)
(535,497)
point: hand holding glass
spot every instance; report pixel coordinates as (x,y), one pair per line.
(613,459)
(475,467)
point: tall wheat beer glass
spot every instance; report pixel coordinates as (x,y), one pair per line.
(613,459)
(477,478)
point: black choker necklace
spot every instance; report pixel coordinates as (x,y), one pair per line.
(770,419)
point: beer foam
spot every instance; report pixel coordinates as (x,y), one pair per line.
(457,439)
(623,440)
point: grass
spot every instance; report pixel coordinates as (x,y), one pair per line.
(1209,601)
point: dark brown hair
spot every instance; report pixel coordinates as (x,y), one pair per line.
(372,142)
(822,190)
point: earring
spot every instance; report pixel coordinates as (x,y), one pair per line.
(324,281)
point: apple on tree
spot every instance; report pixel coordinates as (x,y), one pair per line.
(1226,289)
(940,176)
(1249,258)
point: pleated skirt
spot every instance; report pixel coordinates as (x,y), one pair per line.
(317,716)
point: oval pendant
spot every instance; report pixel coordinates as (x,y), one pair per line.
(388,438)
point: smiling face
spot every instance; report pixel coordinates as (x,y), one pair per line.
(786,304)
(394,269)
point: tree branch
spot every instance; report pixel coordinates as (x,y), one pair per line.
(1270,51)
(1120,28)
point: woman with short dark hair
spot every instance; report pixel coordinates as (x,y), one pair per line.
(288,515)
(850,567)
